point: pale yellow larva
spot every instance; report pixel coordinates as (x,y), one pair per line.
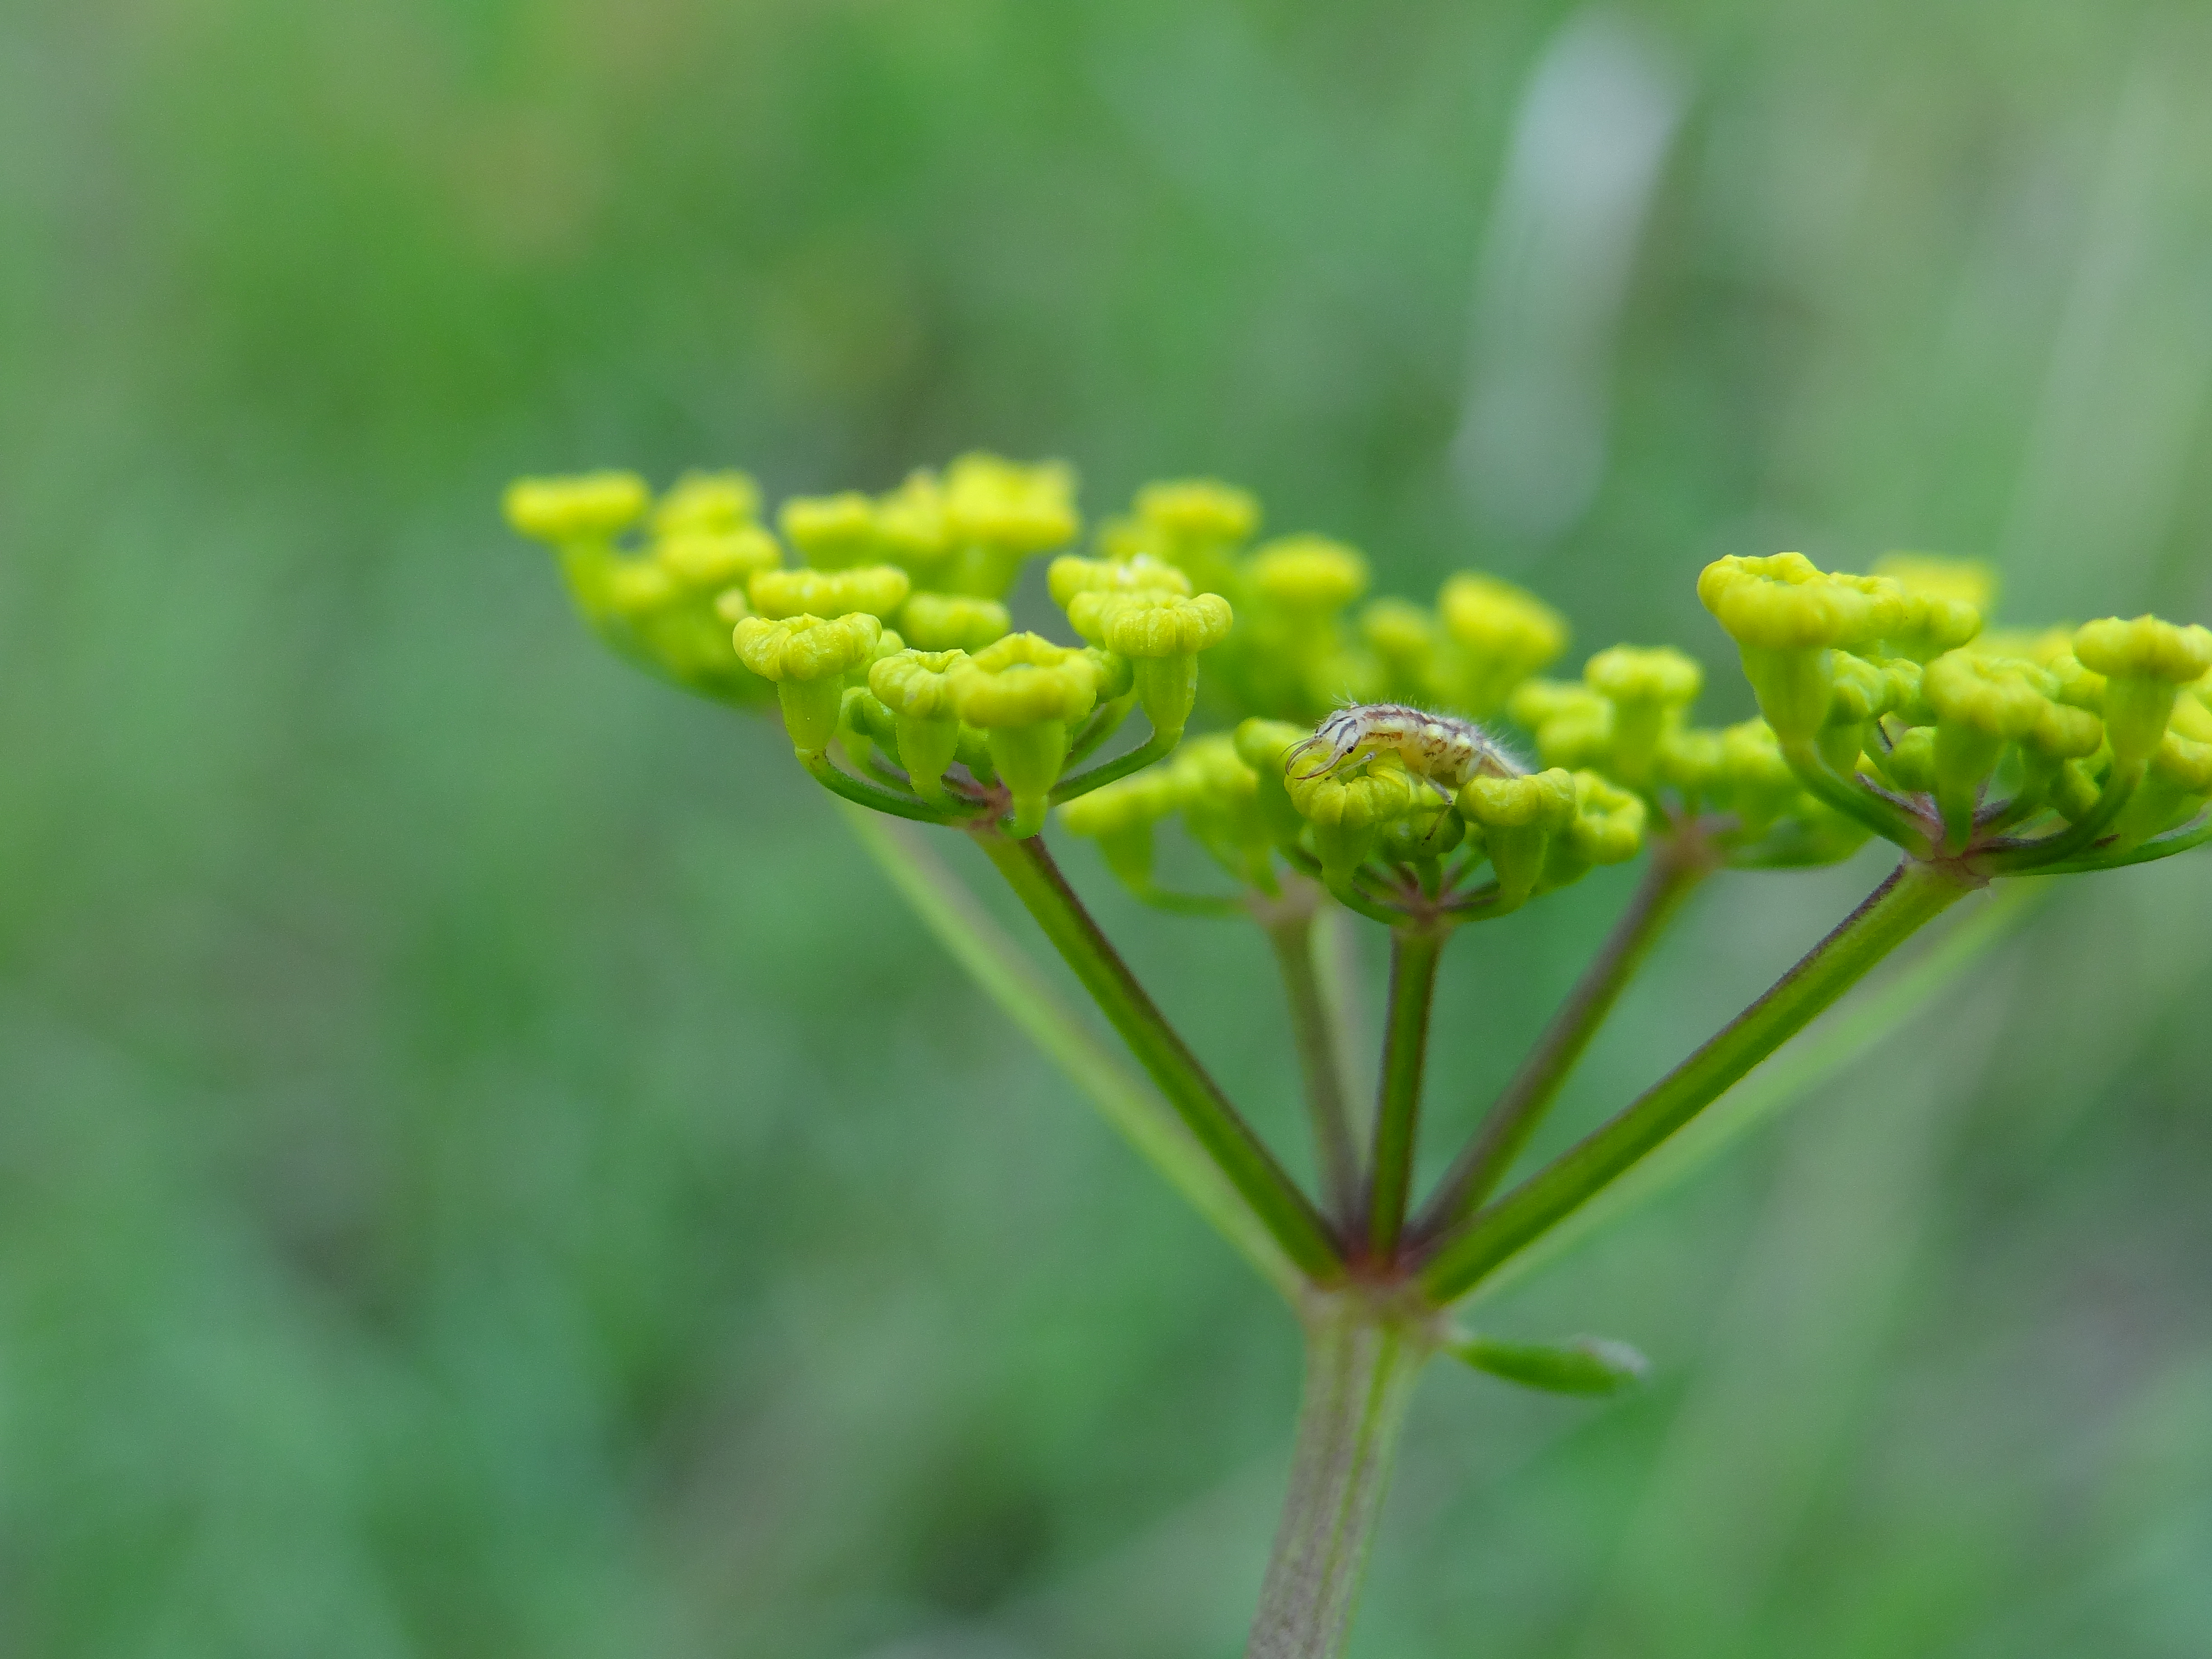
(1441,749)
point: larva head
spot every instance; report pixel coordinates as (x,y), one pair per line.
(1336,738)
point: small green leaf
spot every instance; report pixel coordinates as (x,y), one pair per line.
(1591,1365)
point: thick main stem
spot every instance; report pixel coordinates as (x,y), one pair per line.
(1676,869)
(1414,953)
(1914,894)
(1362,1365)
(1205,1111)
(1313,1026)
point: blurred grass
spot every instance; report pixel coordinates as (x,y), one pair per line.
(485,1170)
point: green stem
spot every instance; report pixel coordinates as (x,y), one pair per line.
(1007,977)
(1291,930)
(1913,993)
(1348,894)
(1677,867)
(1159,746)
(1362,1365)
(1914,893)
(2053,851)
(2193,834)
(874,796)
(1102,724)
(1414,953)
(1187,904)
(1854,800)
(1273,1197)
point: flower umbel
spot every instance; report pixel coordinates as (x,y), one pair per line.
(1349,773)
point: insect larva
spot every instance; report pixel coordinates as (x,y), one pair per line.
(1442,749)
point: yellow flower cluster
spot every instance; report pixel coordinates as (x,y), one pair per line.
(1628,719)
(881,623)
(665,582)
(1246,800)
(1305,643)
(663,605)
(1884,695)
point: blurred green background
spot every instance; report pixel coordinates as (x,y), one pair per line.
(485,1168)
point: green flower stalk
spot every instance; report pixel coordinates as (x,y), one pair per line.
(1323,753)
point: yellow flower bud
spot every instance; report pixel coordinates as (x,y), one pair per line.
(1536,703)
(944,621)
(1199,510)
(806,648)
(1859,693)
(712,561)
(2144,663)
(1690,760)
(1544,800)
(1072,574)
(1648,690)
(1310,574)
(1759,784)
(1572,724)
(588,506)
(1608,823)
(2192,718)
(832,532)
(1519,816)
(1026,509)
(2072,684)
(917,683)
(1023,679)
(1265,746)
(1503,635)
(808,657)
(999,512)
(1787,603)
(1945,601)
(1151,624)
(2184,761)
(1161,633)
(1117,678)
(1659,675)
(1785,615)
(1218,793)
(910,522)
(637,587)
(878,589)
(2006,699)
(1343,810)
(1022,691)
(1967,581)
(1194,525)
(1427,833)
(1909,763)
(714,503)
(1981,703)
(916,686)
(2145,649)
